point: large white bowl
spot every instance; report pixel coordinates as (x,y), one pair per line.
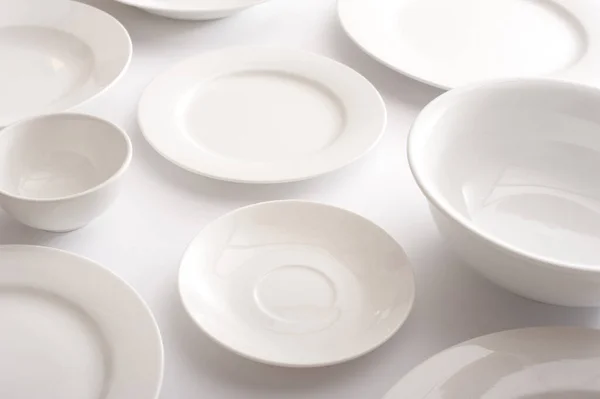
(59,172)
(511,173)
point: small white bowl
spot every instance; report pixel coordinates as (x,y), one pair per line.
(297,284)
(511,173)
(58,172)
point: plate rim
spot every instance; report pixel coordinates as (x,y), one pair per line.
(407,264)
(5,122)
(339,5)
(114,277)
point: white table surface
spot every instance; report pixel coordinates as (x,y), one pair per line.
(143,235)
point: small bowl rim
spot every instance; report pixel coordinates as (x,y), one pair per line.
(450,99)
(60,115)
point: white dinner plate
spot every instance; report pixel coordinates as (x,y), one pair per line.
(192,9)
(71,329)
(261,115)
(295,283)
(452,43)
(531,363)
(56,54)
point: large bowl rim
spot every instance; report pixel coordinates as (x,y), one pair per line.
(450,99)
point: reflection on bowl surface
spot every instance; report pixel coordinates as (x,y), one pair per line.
(537,193)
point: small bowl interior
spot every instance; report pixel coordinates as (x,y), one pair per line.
(59,156)
(518,163)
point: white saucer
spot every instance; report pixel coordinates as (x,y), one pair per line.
(295,283)
(533,363)
(452,43)
(73,330)
(56,54)
(260,115)
(192,9)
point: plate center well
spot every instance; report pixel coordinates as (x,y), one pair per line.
(303,299)
(49,348)
(39,67)
(263,116)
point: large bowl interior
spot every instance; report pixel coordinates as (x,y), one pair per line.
(59,156)
(516,162)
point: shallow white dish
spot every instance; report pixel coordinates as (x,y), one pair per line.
(261,115)
(192,9)
(295,283)
(452,43)
(59,172)
(510,171)
(56,54)
(531,363)
(71,329)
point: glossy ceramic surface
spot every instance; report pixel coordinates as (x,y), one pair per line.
(509,169)
(452,43)
(193,9)
(58,172)
(53,56)
(533,363)
(295,283)
(261,115)
(73,330)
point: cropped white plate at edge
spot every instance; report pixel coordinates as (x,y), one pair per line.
(192,9)
(532,363)
(56,54)
(297,284)
(452,43)
(260,115)
(71,329)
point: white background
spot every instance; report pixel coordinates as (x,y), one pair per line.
(162,207)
